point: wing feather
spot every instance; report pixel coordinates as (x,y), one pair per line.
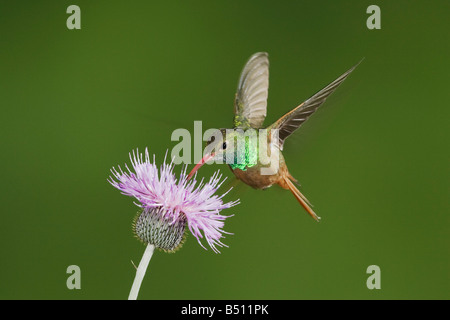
(292,120)
(250,106)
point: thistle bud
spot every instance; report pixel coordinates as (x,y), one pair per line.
(154,226)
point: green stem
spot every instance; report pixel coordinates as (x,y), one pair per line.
(140,272)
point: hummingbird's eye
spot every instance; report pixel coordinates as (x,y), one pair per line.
(224,145)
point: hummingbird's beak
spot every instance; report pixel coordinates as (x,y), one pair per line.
(201,163)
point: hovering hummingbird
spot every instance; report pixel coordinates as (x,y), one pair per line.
(250,108)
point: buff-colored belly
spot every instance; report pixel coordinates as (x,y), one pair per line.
(253,177)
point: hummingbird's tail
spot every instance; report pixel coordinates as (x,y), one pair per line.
(300,197)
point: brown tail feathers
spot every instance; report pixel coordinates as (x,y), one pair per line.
(300,197)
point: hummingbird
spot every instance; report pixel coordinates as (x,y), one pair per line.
(250,109)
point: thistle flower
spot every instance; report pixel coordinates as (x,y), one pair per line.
(168,204)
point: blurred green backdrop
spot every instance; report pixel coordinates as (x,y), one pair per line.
(374,160)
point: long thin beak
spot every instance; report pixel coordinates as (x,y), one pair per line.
(201,163)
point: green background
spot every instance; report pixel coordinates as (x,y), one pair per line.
(374,160)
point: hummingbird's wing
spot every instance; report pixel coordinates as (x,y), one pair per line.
(292,120)
(250,105)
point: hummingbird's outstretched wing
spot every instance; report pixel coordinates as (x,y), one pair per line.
(250,105)
(292,120)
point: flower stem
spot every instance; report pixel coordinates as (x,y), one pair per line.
(140,272)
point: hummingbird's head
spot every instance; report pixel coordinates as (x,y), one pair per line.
(230,146)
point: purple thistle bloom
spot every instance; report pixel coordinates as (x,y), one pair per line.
(168,201)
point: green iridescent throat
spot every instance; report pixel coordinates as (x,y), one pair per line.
(250,156)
